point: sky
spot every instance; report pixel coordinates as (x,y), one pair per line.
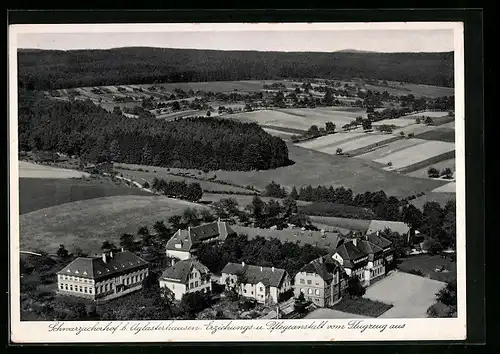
(379,40)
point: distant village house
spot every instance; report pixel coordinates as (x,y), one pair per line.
(186,276)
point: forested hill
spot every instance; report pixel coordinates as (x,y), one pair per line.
(84,129)
(50,69)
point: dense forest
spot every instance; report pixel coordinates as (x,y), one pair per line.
(52,69)
(89,131)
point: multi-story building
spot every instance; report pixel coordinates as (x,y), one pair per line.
(264,284)
(104,277)
(184,243)
(186,276)
(322,281)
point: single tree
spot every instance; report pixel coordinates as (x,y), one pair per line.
(62,252)
(355,288)
(338,151)
(294,194)
(127,242)
(432,172)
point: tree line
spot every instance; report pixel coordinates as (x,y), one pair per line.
(89,131)
(50,69)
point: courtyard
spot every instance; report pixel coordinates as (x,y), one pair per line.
(411,295)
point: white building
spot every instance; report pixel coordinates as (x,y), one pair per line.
(263,284)
(104,277)
(184,243)
(186,276)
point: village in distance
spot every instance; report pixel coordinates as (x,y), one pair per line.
(218,189)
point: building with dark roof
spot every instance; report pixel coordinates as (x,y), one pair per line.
(104,277)
(184,243)
(366,257)
(186,276)
(263,284)
(322,281)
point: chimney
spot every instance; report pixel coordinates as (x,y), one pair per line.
(355,241)
(321,260)
(111,254)
(122,249)
(273,269)
(104,258)
(378,233)
(261,269)
(242,264)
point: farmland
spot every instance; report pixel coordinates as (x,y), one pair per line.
(299,118)
(39,193)
(342,223)
(415,154)
(431,114)
(31,170)
(87,223)
(418,90)
(439,197)
(132,171)
(447,188)
(439,134)
(243,200)
(391,148)
(422,173)
(316,168)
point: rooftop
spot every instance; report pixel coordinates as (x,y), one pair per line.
(185,239)
(181,270)
(95,267)
(269,276)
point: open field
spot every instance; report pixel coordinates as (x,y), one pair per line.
(326,313)
(390,148)
(329,140)
(361,144)
(339,114)
(439,134)
(220,86)
(441,198)
(316,168)
(413,128)
(431,114)
(32,170)
(417,90)
(449,125)
(342,223)
(427,264)
(87,223)
(447,188)
(166,174)
(279,133)
(398,122)
(38,193)
(415,154)
(422,173)
(413,297)
(297,118)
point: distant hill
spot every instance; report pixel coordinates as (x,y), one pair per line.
(51,69)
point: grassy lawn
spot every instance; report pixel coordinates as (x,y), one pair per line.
(362,306)
(427,264)
(39,193)
(316,168)
(440,197)
(87,223)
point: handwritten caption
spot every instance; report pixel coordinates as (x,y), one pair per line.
(215,327)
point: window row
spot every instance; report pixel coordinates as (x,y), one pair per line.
(133,279)
(77,288)
(311,291)
(70,277)
(309,282)
(193,275)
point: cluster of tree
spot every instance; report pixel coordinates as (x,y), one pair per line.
(191,217)
(262,214)
(179,189)
(49,69)
(433,172)
(386,128)
(86,130)
(314,132)
(446,305)
(289,256)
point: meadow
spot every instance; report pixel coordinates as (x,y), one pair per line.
(427,264)
(391,148)
(415,154)
(359,145)
(243,200)
(447,188)
(342,223)
(439,134)
(417,90)
(299,118)
(87,223)
(422,173)
(439,197)
(330,140)
(170,174)
(31,170)
(425,114)
(39,193)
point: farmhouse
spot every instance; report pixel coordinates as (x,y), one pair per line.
(322,281)
(263,284)
(109,276)
(186,276)
(366,257)
(184,243)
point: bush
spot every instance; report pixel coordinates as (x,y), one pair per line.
(284,296)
